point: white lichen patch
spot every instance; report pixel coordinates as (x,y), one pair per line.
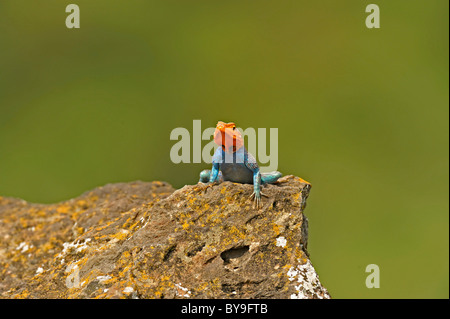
(23,247)
(128,290)
(182,292)
(39,270)
(73,278)
(102,279)
(292,273)
(74,246)
(307,282)
(281,241)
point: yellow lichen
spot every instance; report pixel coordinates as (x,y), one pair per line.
(276,229)
(63,209)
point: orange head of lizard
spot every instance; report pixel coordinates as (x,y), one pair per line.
(228,137)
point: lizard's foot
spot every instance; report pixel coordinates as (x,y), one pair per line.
(256,196)
(204,186)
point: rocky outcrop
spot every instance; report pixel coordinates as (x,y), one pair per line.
(148,240)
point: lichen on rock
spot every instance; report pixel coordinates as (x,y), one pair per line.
(148,240)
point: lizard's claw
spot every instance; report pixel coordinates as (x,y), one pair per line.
(256,196)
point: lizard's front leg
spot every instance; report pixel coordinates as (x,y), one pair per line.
(210,177)
(256,195)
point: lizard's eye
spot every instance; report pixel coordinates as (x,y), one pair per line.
(234,127)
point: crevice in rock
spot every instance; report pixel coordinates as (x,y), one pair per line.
(169,252)
(234,253)
(195,250)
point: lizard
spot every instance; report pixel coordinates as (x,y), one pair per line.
(232,162)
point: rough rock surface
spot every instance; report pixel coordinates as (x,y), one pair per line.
(148,240)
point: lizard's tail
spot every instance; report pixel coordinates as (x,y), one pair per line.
(269,178)
(204,176)
(206,173)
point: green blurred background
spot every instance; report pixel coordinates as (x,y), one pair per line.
(362,114)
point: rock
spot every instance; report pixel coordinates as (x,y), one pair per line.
(148,240)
